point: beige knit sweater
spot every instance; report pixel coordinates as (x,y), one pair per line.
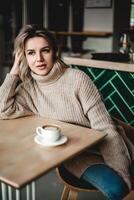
(69,95)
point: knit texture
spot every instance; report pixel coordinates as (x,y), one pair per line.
(68,95)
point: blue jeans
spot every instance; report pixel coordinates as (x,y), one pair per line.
(107,181)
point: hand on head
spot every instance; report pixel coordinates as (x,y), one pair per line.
(15,68)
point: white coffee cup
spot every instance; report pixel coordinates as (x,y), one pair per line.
(49,133)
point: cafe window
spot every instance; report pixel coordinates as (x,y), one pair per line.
(132,14)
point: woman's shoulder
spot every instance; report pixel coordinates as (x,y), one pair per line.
(77,72)
(77,75)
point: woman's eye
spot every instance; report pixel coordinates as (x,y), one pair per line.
(31,53)
(46,50)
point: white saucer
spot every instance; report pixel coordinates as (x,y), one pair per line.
(63,139)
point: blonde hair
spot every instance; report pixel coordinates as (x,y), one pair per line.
(27,32)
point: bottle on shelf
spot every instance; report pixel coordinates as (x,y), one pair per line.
(125,46)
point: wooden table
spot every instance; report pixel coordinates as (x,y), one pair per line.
(23,161)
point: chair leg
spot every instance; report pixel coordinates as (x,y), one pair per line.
(130,196)
(73,194)
(65,193)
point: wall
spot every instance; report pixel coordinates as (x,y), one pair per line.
(1,48)
(115,19)
(99,19)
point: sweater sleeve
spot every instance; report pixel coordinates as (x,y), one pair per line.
(14,99)
(113,148)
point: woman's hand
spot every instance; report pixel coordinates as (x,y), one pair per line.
(128,181)
(15,68)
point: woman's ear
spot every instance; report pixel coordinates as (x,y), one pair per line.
(58,53)
(55,56)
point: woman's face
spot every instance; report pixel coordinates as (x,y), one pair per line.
(39,55)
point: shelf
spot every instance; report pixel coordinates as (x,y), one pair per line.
(83,33)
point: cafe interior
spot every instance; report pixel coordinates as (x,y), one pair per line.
(95,36)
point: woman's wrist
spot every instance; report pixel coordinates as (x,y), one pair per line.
(128,181)
(14,71)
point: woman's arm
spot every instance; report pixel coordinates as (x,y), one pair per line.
(129,130)
(15,68)
(14,98)
(113,148)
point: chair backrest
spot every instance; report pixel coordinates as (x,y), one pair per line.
(115,85)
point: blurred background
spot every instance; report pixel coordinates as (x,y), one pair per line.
(101,25)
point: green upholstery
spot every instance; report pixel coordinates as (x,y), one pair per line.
(117,90)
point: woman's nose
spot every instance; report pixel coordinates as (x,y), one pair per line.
(39,57)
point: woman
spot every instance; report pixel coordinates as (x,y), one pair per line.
(40,83)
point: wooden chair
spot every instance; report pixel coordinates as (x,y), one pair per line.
(72,185)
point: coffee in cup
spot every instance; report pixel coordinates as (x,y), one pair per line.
(49,133)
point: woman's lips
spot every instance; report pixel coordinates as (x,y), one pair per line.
(41,67)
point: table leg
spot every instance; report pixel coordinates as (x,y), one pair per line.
(27,192)
(9,193)
(4,191)
(18,196)
(33,191)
